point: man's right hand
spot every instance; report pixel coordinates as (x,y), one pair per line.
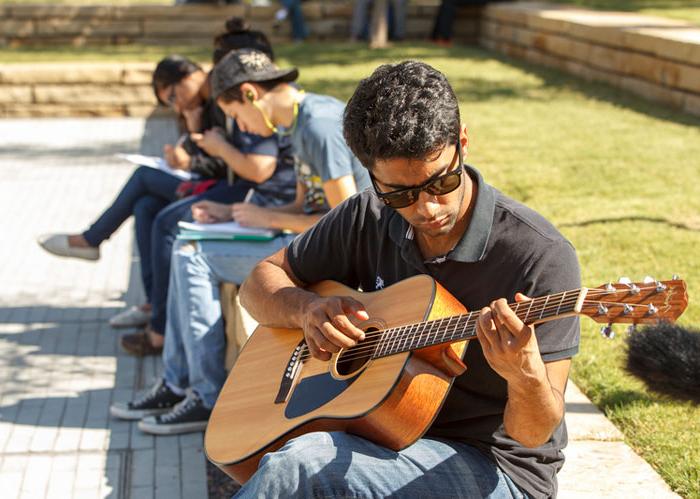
(209,212)
(328,325)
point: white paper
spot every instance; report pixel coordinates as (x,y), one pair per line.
(157,163)
(233,228)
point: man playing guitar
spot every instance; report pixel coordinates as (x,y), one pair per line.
(500,432)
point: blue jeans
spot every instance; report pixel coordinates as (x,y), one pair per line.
(337,464)
(195,343)
(145,193)
(296,16)
(163,234)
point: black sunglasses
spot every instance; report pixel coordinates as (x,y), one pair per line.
(439,186)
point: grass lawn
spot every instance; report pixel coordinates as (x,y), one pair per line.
(686,10)
(616,174)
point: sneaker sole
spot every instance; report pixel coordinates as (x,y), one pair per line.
(123,325)
(172,429)
(132,415)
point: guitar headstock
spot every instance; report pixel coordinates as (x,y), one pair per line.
(649,301)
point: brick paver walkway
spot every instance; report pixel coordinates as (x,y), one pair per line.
(60,365)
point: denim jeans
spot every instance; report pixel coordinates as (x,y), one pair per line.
(195,343)
(296,16)
(163,234)
(145,193)
(337,464)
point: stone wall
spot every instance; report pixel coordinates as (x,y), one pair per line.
(76,89)
(184,24)
(656,58)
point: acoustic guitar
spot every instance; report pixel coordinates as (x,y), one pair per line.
(389,387)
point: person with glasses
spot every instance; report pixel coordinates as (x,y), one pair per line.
(500,432)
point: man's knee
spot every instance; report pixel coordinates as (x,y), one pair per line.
(307,454)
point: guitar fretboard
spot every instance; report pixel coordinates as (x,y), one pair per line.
(463,327)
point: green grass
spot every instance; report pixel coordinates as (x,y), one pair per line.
(686,10)
(618,176)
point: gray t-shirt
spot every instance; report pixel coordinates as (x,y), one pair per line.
(320,150)
(507,248)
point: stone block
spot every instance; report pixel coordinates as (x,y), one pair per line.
(176,28)
(17,94)
(267,12)
(60,73)
(17,27)
(312,10)
(689,78)
(93,94)
(509,13)
(691,104)
(137,73)
(30,11)
(419,28)
(607,58)
(338,9)
(653,92)
(87,27)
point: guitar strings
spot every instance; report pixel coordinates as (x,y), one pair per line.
(394,335)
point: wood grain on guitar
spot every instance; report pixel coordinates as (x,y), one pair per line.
(389,387)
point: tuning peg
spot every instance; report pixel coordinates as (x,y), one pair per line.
(607,332)
(602,309)
(632,328)
(625,280)
(652,310)
(660,286)
(675,277)
(610,288)
(627,309)
(648,280)
(634,289)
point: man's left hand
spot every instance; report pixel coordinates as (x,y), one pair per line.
(510,346)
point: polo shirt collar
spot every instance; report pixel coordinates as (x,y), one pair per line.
(472,247)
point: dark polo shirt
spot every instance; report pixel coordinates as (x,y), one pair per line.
(506,248)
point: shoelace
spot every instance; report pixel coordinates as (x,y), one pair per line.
(179,409)
(150,395)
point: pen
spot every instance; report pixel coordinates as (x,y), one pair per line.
(249,196)
(181,140)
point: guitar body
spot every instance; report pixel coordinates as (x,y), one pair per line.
(390,400)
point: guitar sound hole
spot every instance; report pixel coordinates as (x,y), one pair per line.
(354,359)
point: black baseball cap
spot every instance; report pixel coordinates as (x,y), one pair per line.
(246,65)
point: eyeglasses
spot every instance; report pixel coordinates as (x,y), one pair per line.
(444,184)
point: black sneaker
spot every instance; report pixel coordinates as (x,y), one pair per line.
(157,400)
(187,416)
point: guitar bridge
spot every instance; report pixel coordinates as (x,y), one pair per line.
(290,373)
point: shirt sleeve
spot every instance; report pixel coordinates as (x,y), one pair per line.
(325,250)
(327,151)
(263,146)
(556,270)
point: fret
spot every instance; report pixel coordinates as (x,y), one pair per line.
(396,337)
(381,343)
(407,336)
(527,314)
(544,307)
(561,302)
(517,308)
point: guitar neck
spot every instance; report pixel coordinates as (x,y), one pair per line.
(463,327)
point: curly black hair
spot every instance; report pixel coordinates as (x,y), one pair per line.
(405,110)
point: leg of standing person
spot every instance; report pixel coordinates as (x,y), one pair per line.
(442,31)
(338,464)
(296,16)
(398,25)
(360,20)
(195,341)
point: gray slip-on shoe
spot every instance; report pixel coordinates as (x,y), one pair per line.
(57,244)
(131,317)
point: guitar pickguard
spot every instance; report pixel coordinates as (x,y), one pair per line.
(314,392)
